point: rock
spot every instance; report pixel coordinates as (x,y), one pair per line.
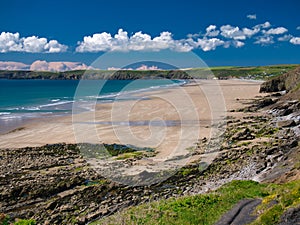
(287,81)
(265,102)
(271,151)
(286,123)
(290,217)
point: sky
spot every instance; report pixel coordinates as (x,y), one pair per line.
(221,33)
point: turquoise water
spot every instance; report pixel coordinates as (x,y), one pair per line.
(25,99)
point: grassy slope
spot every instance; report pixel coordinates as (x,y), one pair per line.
(208,208)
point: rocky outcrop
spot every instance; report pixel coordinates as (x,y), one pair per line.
(290,217)
(287,81)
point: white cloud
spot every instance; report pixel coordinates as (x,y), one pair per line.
(298,28)
(209,44)
(263,25)
(40,65)
(286,37)
(264,40)
(238,44)
(250,32)
(137,42)
(211,31)
(295,40)
(13,66)
(251,16)
(278,30)
(12,42)
(235,33)
(54,47)
(57,66)
(142,67)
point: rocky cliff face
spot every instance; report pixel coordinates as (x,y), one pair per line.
(287,81)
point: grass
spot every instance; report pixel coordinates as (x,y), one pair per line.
(208,208)
(110,150)
(25,222)
(5,220)
(286,196)
(130,155)
(199,209)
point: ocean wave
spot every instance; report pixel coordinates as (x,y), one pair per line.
(122,93)
(4,113)
(55,104)
(31,108)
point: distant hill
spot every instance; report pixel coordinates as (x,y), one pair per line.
(257,72)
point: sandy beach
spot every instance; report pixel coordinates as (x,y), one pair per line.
(162,120)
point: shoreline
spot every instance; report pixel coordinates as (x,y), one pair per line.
(60,129)
(14,120)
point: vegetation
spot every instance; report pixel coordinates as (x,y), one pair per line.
(281,198)
(25,222)
(257,72)
(208,208)
(108,150)
(5,220)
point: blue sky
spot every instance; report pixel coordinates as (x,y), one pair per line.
(219,32)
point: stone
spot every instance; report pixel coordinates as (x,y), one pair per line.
(286,123)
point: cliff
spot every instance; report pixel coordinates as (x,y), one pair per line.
(286,82)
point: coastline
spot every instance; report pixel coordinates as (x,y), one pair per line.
(65,180)
(40,131)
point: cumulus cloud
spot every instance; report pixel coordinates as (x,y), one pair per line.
(209,44)
(250,32)
(13,66)
(238,44)
(137,42)
(298,28)
(40,65)
(278,30)
(210,39)
(211,31)
(295,41)
(12,42)
(286,37)
(264,40)
(263,25)
(251,16)
(142,67)
(235,33)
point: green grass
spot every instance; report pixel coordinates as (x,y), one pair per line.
(208,208)
(25,222)
(130,155)
(287,195)
(5,220)
(199,209)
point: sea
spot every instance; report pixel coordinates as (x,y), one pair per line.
(24,100)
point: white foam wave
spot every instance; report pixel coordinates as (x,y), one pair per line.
(4,113)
